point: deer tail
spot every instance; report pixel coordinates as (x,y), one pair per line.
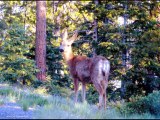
(106,69)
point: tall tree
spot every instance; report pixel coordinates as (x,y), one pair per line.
(40,53)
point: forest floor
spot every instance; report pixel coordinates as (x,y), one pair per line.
(29,103)
(12,110)
(19,103)
(9,109)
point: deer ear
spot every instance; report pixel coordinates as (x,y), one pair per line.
(74,37)
(65,34)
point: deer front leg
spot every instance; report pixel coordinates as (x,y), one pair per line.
(76,84)
(83,92)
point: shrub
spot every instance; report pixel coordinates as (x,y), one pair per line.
(92,95)
(15,65)
(149,104)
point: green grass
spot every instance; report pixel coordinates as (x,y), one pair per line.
(26,98)
(57,107)
(60,108)
(1,101)
(31,100)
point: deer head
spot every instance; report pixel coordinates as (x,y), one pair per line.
(66,43)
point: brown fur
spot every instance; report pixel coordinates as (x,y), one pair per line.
(86,70)
(79,68)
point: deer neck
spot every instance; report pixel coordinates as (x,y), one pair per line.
(68,56)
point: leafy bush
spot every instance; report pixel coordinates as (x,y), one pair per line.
(92,95)
(149,104)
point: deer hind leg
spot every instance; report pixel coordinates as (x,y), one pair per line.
(100,91)
(105,97)
(76,84)
(83,92)
(104,86)
(100,101)
(104,100)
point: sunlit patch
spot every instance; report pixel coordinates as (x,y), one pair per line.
(121,21)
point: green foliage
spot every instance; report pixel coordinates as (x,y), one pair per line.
(143,77)
(3,25)
(15,65)
(149,104)
(92,95)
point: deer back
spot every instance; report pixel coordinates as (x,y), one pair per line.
(86,69)
(79,68)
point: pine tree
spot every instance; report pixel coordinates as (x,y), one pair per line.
(40,53)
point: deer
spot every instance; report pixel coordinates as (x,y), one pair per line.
(86,70)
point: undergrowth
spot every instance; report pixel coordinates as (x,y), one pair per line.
(58,107)
(26,98)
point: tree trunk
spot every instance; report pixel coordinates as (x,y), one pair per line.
(95,35)
(57,21)
(124,56)
(40,53)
